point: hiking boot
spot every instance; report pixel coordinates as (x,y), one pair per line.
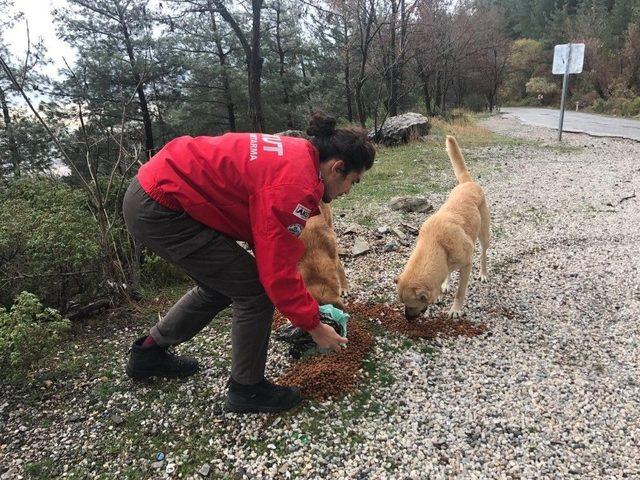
(156,361)
(263,397)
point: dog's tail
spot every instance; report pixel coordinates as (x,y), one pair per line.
(457,160)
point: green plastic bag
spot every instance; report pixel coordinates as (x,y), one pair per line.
(329,312)
(301,345)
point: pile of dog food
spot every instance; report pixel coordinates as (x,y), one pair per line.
(392,318)
(334,374)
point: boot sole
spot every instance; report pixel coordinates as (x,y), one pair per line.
(248,408)
(144,374)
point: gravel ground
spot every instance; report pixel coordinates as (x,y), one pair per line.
(550,391)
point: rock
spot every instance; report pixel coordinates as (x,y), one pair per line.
(75,417)
(402,129)
(157,465)
(390,247)
(410,204)
(353,228)
(204,470)
(359,247)
(383,230)
(410,228)
(117,419)
(399,233)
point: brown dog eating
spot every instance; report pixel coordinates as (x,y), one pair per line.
(321,267)
(445,244)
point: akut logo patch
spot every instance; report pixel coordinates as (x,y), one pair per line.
(302,212)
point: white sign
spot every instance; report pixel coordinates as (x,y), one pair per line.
(561,54)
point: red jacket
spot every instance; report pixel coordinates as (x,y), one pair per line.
(252,187)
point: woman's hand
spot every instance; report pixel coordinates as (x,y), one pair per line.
(326,337)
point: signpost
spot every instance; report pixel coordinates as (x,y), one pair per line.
(567,58)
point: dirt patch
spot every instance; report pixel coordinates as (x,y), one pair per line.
(392,318)
(333,374)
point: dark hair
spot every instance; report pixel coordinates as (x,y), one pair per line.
(349,144)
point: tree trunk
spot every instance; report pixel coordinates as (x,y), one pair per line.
(253,59)
(305,82)
(283,81)
(403,48)
(364,26)
(144,108)
(360,108)
(13,147)
(392,106)
(347,72)
(255,71)
(226,84)
(424,80)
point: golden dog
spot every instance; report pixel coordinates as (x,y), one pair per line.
(321,267)
(445,244)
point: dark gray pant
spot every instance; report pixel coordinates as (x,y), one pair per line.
(224,273)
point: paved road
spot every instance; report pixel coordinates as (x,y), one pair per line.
(592,124)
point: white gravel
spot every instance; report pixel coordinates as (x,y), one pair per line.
(551,391)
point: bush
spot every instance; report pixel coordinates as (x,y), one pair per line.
(540,85)
(160,273)
(586,99)
(28,333)
(475,102)
(599,105)
(618,106)
(48,242)
(635,106)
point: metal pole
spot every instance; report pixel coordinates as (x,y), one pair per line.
(565,82)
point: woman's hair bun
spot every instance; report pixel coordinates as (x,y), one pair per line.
(321,125)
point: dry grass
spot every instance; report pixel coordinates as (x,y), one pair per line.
(462,125)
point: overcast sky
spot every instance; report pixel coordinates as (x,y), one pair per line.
(38,14)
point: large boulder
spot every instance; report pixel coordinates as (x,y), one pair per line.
(402,129)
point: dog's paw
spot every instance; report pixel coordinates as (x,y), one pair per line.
(484,279)
(454,313)
(444,288)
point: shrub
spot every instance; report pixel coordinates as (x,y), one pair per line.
(48,242)
(599,105)
(586,99)
(475,102)
(159,273)
(28,333)
(540,85)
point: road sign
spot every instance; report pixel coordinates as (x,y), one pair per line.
(567,59)
(573,53)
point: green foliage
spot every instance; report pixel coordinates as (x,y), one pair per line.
(28,333)
(27,144)
(623,13)
(159,272)
(48,241)
(619,106)
(524,62)
(540,85)
(475,102)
